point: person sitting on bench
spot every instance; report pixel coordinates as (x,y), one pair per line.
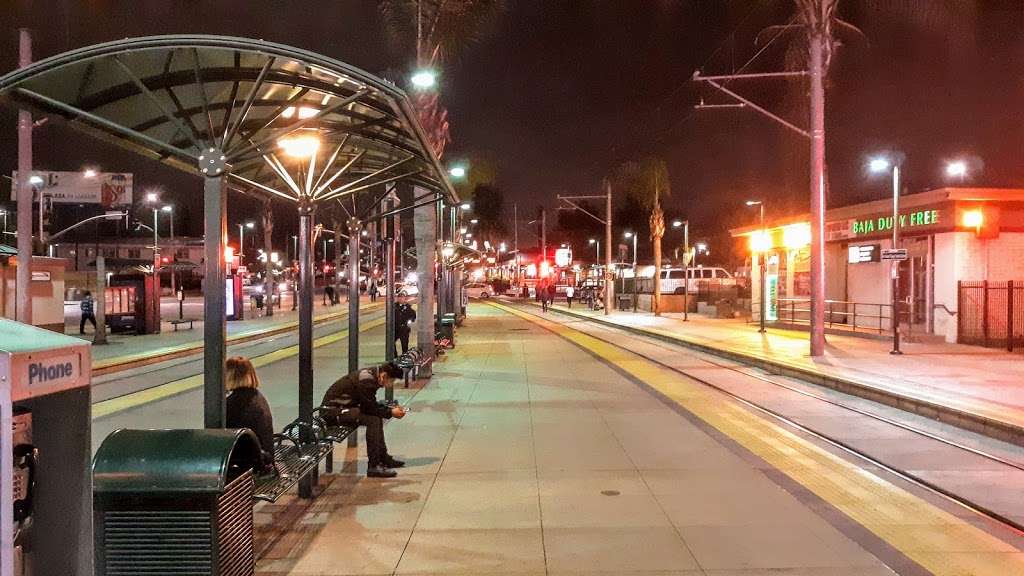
(353,402)
(246,407)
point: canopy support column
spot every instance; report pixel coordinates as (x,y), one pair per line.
(389,283)
(353,294)
(212,166)
(306,332)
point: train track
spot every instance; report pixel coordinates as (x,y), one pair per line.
(829,439)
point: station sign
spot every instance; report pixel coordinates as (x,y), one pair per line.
(918,220)
(894,254)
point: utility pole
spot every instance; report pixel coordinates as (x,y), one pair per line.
(544,234)
(816,17)
(686,270)
(24,270)
(895,264)
(607,221)
(515,238)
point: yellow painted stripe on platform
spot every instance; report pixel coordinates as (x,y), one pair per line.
(128,401)
(99,365)
(937,540)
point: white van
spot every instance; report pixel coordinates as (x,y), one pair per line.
(672,279)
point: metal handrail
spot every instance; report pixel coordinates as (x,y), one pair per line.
(842,312)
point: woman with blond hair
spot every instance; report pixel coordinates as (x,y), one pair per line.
(247,408)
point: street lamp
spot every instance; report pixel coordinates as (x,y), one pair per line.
(879,165)
(153,198)
(634,237)
(457,171)
(424,79)
(241,240)
(465,205)
(169,210)
(762,245)
(90,173)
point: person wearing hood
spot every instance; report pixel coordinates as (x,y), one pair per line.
(352,401)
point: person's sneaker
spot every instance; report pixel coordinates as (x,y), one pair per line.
(393,463)
(380,472)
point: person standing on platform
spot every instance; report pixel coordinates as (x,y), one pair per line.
(352,401)
(373,290)
(88,312)
(404,317)
(570,291)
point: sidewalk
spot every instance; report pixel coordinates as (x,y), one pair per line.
(953,382)
(123,347)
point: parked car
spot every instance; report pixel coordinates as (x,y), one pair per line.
(672,280)
(401,289)
(478,290)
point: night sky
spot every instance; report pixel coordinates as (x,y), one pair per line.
(561,91)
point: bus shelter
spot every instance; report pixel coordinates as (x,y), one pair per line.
(258,117)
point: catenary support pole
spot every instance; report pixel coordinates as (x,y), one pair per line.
(306,332)
(353,294)
(686,270)
(609,281)
(214,299)
(817,49)
(23,275)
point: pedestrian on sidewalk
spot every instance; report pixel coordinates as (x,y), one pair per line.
(552,290)
(352,401)
(542,295)
(373,290)
(246,407)
(570,291)
(329,294)
(87,312)
(404,317)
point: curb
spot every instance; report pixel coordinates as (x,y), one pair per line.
(112,365)
(990,427)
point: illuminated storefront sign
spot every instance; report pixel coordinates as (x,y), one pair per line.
(772,308)
(861,227)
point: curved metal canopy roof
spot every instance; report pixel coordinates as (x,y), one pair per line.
(175,98)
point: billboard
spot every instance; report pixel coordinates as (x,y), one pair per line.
(108,189)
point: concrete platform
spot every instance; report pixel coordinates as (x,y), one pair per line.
(528,455)
(975,388)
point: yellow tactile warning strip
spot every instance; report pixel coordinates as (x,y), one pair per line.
(127,361)
(935,539)
(128,401)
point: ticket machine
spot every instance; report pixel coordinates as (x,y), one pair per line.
(45,435)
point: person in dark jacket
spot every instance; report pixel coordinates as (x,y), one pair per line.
(354,402)
(88,312)
(404,317)
(247,408)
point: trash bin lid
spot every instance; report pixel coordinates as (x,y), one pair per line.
(176,461)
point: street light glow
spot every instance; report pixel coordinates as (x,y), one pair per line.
(474,221)
(592,241)
(299,146)
(424,79)
(152,196)
(879,164)
(89,173)
(973,219)
(305,112)
(168,208)
(628,234)
(676,223)
(760,241)
(250,225)
(753,202)
(457,171)
(465,206)
(35,180)
(957,169)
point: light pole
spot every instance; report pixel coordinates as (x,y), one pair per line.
(174,283)
(761,247)
(153,198)
(241,241)
(634,237)
(4,214)
(597,243)
(685,225)
(879,165)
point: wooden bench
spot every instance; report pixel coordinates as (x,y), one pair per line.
(181,321)
(293,459)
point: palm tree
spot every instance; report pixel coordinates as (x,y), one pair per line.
(647,182)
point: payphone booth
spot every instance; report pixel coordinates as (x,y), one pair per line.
(45,435)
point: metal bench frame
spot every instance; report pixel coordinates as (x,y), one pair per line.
(293,460)
(181,321)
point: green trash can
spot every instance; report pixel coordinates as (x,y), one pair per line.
(448,327)
(175,502)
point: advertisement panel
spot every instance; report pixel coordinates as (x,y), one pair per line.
(108,189)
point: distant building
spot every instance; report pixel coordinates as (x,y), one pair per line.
(964,254)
